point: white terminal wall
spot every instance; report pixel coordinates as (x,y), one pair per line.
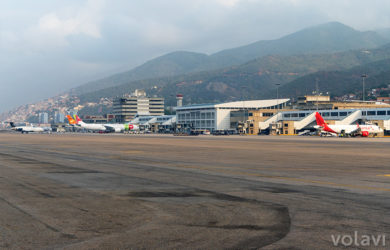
(223,119)
(221,111)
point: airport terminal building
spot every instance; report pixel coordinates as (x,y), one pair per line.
(218,116)
(138,103)
(280,116)
(297,121)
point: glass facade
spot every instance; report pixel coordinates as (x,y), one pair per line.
(337,115)
(197,119)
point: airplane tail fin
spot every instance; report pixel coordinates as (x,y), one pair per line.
(71,120)
(12,124)
(78,119)
(320,121)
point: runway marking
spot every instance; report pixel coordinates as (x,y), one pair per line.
(385,175)
(317,182)
(294,179)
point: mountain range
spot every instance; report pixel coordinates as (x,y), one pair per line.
(327,38)
(258,78)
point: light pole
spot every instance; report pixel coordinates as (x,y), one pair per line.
(244,112)
(363,77)
(277,107)
(277,97)
(317,92)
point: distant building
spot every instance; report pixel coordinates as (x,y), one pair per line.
(323,102)
(383,99)
(137,104)
(311,99)
(98,118)
(59,117)
(179,99)
(43,118)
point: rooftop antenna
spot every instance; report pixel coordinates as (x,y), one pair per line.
(363,78)
(317,92)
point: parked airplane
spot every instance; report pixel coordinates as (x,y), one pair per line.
(90,126)
(107,128)
(349,130)
(71,120)
(29,129)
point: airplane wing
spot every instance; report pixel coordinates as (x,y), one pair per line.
(110,129)
(354,131)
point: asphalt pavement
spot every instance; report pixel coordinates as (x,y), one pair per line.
(83,191)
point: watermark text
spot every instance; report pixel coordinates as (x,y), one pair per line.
(357,240)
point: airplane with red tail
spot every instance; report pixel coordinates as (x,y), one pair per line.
(348,130)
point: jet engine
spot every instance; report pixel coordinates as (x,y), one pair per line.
(365,133)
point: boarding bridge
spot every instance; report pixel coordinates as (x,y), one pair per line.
(265,125)
(386,125)
(298,125)
(350,119)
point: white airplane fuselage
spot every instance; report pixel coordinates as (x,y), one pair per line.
(93,127)
(117,128)
(348,129)
(352,130)
(29,129)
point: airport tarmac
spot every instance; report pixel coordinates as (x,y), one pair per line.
(83,191)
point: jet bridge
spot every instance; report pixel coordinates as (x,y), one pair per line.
(350,118)
(275,118)
(298,125)
(386,124)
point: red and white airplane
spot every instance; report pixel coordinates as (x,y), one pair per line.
(350,130)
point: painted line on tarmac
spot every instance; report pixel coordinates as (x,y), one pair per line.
(326,183)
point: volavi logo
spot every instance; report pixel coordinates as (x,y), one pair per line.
(359,240)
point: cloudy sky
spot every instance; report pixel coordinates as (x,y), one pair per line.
(49,46)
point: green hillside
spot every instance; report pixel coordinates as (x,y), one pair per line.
(339,83)
(327,38)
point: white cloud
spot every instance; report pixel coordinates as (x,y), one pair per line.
(228,3)
(53,28)
(86,21)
